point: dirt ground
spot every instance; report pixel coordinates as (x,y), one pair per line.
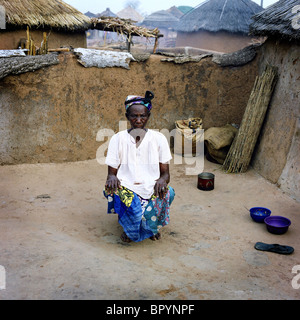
(57,242)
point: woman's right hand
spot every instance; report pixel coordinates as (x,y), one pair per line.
(112,182)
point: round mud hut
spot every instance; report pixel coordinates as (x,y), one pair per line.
(64,24)
(107,13)
(175,12)
(130,13)
(217,25)
(101,37)
(166,23)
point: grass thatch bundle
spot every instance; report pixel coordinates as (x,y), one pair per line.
(220,15)
(53,14)
(123,26)
(240,152)
(278,20)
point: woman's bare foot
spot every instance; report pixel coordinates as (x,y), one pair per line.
(125,238)
(156,237)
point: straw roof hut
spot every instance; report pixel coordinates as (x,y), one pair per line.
(175,12)
(67,25)
(219,25)
(166,23)
(130,13)
(91,14)
(161,19)
(185,9)
(277,156)
(107,13)
(279,20)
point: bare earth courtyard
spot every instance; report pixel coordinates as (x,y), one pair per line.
(57,242)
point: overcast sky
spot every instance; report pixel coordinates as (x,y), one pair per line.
(144,6)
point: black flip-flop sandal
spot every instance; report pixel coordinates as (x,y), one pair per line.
(276,248)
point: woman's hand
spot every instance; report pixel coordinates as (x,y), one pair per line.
(112,182)
(160,188)
(161,185)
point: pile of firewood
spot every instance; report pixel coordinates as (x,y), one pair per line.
(32,49)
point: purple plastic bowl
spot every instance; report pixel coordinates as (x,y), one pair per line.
(277,224)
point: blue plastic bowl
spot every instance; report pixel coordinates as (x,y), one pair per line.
(258,214)
(277,224)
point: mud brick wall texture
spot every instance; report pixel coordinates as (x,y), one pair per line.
(53,114)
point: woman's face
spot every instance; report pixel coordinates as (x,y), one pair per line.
(138,116)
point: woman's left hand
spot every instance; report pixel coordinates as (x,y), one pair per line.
(161,185)
(160,188)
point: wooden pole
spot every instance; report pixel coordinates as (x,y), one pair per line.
(129,42)
(44,48)
(27,41)
(155,44)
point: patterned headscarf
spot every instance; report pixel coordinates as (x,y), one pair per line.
(131,100)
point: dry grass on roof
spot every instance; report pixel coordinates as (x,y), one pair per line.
(123,26)
(160,19)
(130,13)
(278,20)
(54,14)
(232,16)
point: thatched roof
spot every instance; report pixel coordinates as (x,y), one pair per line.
(160,19)
(280,20)
(90,14)
(130,13)
(107,13)
(185,9)
(53,14)
(233,16)
(175,12)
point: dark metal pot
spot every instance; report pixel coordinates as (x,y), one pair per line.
(206,181)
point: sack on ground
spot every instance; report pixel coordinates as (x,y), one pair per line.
(220,137)
(187,136)
(218,141)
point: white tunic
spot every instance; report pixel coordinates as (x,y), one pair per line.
(138,168)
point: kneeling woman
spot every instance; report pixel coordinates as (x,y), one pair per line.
(138,174)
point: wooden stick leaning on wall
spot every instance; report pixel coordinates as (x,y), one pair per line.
(30,46)
(241,150)
(44,44)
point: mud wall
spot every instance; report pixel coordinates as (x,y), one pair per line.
(54,114)
(276,156)
(214,41)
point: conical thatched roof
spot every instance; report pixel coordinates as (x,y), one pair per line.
(160,19)
(175,12)
(90,14)
(280,20)
(185,9)
(130,13)
(107,13)
(54,14)
(220,15)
